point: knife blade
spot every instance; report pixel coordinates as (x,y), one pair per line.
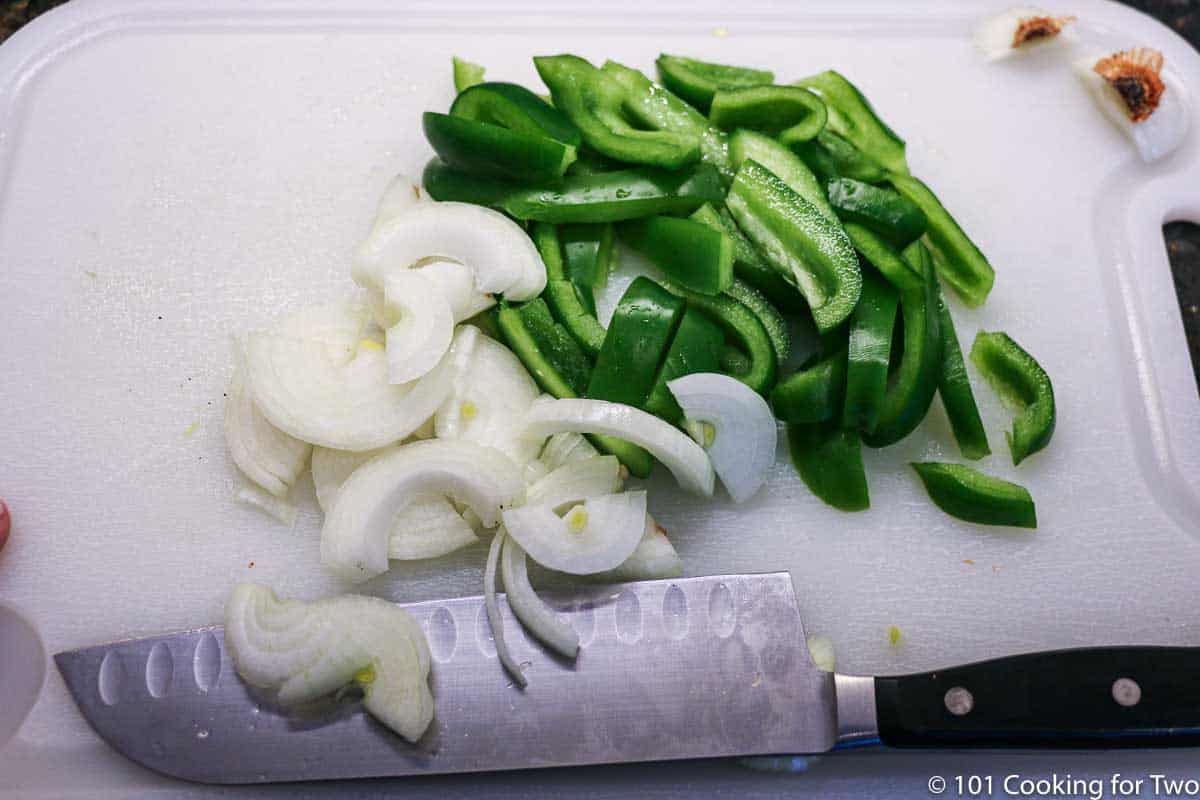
(689,668)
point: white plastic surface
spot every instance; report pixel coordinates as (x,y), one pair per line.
(171,173)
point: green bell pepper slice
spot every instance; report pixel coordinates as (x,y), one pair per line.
(852,117)
(655,107)
(695,348)
(747,145)
(697,81)
(596,103)
(814,394)
(1020,381)
(790,113)
(744,329)
(555,344)
(639,334)
(911,389)
(830,156)
(591,163)
(798,240)
(881,255)
(466,74)
(954,387)
(518,338)
(587,250)
(748,263)
(572,305)
(957,260)
(972,496)
(885,211)
(616,196)
(690,253)
(444,182)
(869,353)
(829,460)
(488,149)
(514,107)
(772,321)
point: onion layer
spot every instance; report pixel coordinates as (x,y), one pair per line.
(423,329)
(307,650)
(354,539)
(492,607)
(744,432)
(537,617)
(654,559)
(685,459)
(594,536)
(264,454)
(578,480)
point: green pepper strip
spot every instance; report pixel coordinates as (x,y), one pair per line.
(783,164)
(799,241)
(852,118)
(557,346)
(489,149)
(883,257)
(829,460)
(1019,380)
(587,256)
(915,381)
(815,394)
(790,113)
(690,253)
(567,301)
(695,348)
(697,81)
(615,196)
(830,156)
(512,106)
(638,337)
(595,103)
(657,108)
(749,265)
(970,495)
(885,211)
(517,336)
(772,321)
(955,389)
(869,351)
(466,74)
(590,163)
(444,182)
(958,261)
(743,327)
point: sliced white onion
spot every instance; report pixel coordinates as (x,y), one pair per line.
(354,539)
(820,650)
(308,650)
(996,35)
(424,325)
(654,559)
(1155,137)
(401,194)
(563,448)
(492,607)
(264,454)
(276,507)
(685,459)
(537,617)
(340,326)
(489,402)
(501,256)
(743,428)
(428,527)
(594,536)
(308,394)
(533,472)
(578,480)
(455,282)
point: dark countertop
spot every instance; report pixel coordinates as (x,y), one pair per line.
(1182,238)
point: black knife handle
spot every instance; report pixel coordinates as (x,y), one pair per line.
(1094,697)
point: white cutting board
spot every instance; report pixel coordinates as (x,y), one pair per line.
(171,173)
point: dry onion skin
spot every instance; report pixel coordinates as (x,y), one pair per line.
(1019,30)
(1143,100)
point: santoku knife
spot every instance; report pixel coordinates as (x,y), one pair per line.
(690,668)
